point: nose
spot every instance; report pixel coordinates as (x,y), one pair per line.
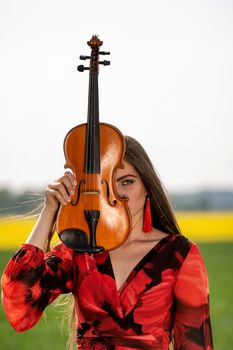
(120,192)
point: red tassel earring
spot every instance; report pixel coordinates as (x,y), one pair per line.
(147,221)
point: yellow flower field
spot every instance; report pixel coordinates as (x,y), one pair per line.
(14,231)
(198,226)
(207,226)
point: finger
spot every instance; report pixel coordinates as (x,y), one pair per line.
(72,177)
(66,182)
(61,189)
(56,195)
(70,182)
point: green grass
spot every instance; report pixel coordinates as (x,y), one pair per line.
(219,261)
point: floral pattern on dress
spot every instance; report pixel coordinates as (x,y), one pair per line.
(165,293)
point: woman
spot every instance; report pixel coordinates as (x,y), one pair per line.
(151,289)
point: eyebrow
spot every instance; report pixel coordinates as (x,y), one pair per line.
(124,176)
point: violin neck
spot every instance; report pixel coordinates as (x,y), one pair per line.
(92,162)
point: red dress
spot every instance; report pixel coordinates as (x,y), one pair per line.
(167,291)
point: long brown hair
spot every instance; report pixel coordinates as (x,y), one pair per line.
(161,209)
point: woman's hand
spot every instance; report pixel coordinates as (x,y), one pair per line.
(60,191)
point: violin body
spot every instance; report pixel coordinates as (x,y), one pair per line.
(95,193)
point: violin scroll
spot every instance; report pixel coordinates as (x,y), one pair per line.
(94,43)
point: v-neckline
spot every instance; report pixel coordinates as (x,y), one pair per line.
(139,264)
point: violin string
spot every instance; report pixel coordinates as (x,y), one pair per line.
(92,134)
(86,146)
(95,118)
(92,123)
(88,135)
(92,128)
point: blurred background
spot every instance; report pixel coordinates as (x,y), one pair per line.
(169,85)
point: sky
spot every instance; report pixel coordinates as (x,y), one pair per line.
(169,85)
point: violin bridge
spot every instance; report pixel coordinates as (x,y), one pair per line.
(91,192)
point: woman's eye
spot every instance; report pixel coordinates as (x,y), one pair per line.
(127,182)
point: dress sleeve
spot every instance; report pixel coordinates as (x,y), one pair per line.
(32,280)
(192,327)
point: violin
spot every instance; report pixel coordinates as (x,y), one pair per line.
(97,218)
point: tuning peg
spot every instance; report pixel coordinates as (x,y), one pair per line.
(84,57)
(105,63)
(104,53)
(82,68)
